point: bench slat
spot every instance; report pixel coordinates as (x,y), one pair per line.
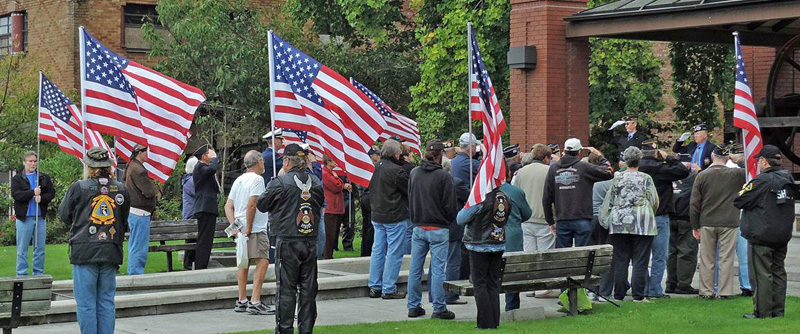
(190,246)
(183,236)
(27,306)
(27,294)
(558,254)
(556,264)
(543,274)
(29,282)
(465,288)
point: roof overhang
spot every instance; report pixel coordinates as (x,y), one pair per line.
(760,22)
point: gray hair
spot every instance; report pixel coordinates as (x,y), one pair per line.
(190,164)
(632,156)
(298,162)
(527,159)
(28,154)
(391,149)
(251,158)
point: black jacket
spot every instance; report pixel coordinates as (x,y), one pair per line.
(462,194)
(388,191)
(689,149)
(682,197)
(767,204)
(205,187)
(97,210)
(488,226)
(294,202)
(569,185)
(431,196)
(22,192)
(664,172)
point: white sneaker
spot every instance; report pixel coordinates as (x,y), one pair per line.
(643,300)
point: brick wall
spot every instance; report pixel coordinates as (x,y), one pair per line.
(550,103)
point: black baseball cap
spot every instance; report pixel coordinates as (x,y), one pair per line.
(721,151)
(434,145)
(770,152)
(294,150)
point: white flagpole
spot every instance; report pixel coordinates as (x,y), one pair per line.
(36,179)
(271,101)
(469,92)
(82,43)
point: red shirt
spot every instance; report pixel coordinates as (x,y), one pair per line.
(333,187)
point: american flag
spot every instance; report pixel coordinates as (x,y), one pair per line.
(744,115)
(60,122)
(137,105)
(396,123)
(309,96)
(310,138)
(484,106)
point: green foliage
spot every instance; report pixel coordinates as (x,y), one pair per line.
(702,83)
(440,98)
(169,206)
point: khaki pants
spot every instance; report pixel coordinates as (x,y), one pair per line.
(712,238)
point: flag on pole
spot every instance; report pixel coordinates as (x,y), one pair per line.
(744,115)
(310,138)
(397,124)
(309,96)
(137,105)
(60,122)
(484,106)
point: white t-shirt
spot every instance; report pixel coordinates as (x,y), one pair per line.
(245,186)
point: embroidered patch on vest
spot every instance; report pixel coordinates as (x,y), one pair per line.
(102,210)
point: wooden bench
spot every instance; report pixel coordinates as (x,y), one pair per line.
(24,300)
(171,230)
(563,268)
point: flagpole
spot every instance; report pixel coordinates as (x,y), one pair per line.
(745,156)
(271,101)
(82,40)
(469,92)
(36,179)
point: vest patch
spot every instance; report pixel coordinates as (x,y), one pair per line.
(103,210)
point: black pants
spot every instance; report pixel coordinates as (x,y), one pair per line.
(486,276)
(206,225)
(332,222)
(682,260)
(296,275)
(367,232)
(630,248)
(768,278)
(464,268)
(347,228)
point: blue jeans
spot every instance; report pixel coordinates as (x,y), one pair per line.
(138,242)
(321,238)
(387,256)
(407,238)
(512,301)
(579,230)
(453,269)
(741,254)
(25,232)
(660,252)
(421,242)
(94,287)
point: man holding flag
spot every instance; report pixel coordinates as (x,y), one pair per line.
(32,192)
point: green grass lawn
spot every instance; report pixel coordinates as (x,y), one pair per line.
(56,260)
(679,315)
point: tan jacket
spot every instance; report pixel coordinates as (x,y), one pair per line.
(531,179)
(712,197)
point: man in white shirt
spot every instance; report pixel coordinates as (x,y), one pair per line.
(241,207)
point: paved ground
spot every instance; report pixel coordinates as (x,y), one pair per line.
(331,312)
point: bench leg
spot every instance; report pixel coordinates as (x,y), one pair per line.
(6,330)
(169,261)
(572,294)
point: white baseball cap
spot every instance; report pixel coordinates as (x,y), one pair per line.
(572,144)
(467,139)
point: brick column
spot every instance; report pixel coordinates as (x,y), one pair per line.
(550,103)
(17,21)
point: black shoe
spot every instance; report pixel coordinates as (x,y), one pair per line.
(374,293)
(446,314)
(749,316)
(416,312)
(659,297)
(724,297)
(394,295)
(669,289)
(686,291)
(705,297)
(747,293)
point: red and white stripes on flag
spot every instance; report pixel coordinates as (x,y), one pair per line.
(484,106)
(308,96)
(60,122)
(744,115)
(396,123)
(137,105)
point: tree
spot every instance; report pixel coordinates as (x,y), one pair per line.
(702,83)
(440,98)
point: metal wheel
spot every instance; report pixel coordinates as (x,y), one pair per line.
(783,98)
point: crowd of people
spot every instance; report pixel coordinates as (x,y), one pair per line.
(660,211)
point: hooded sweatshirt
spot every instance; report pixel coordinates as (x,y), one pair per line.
(569,186)
(431,196)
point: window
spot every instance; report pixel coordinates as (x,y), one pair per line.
(25,32)
(5,35)
(134,16)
